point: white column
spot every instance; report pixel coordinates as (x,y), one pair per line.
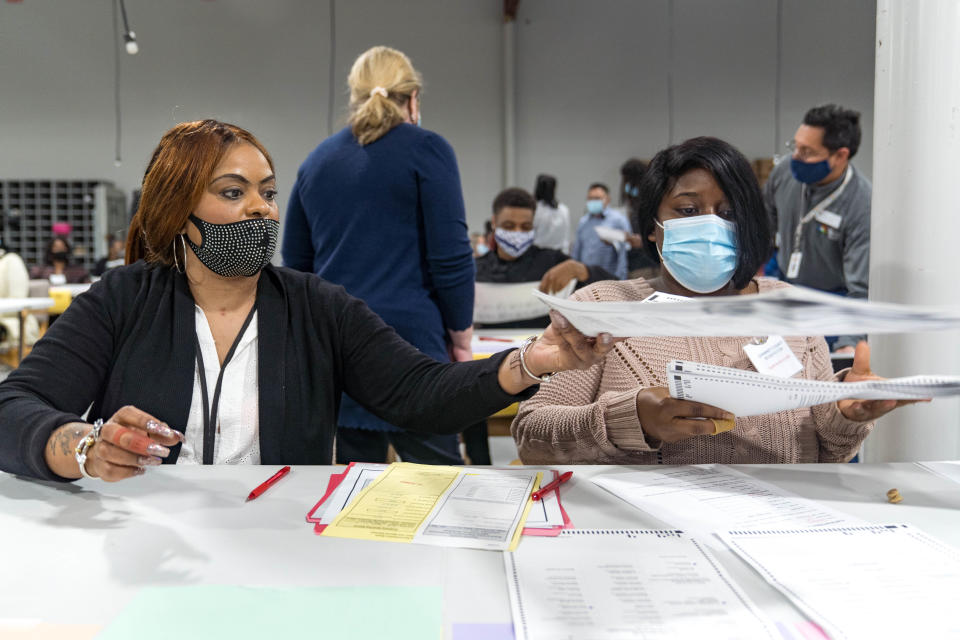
(915,232)
(509,102)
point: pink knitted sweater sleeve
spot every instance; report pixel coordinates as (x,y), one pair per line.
(590,417)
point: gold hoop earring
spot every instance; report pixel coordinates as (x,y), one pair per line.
(175,261)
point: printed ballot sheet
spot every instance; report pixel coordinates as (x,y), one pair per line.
(438,505)
(358,478)
(748,393)
(880,581)
(701,499)
(625,585)
(949,469)
(496,302)
(789,311)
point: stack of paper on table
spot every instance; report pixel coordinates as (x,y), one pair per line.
(878,581)
(626,584)
(701,499)
(748,393)
(496,302)
(789,311)
(437,505)
(546,517)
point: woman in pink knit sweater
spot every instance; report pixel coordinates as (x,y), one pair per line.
(702,213)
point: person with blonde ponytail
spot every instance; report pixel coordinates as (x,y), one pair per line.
(378,208)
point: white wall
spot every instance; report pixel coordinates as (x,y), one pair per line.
(591,79)
(262,65)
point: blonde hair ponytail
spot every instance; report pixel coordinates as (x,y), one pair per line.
(381,82)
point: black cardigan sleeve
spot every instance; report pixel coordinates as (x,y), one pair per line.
(55,384)
(405,387)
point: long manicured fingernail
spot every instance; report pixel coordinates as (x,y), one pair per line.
(605,338)
(560,321)
(158,450)
(160,429)
(729,416)
(140,471)
(148,461)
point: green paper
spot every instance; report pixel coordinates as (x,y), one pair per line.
(212,611)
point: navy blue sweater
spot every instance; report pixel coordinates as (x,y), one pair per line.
(387,222)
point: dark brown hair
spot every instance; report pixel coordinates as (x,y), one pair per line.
(176,177)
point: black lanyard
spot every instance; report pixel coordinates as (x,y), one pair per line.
(210,415)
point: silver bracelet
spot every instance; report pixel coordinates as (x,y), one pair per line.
(523,363)
(83,447)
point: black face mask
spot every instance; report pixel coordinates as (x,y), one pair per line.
(236,248)
(59,256)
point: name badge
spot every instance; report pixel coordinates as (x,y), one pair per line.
(829,218)
(793,269)
(660,296)
(773,357)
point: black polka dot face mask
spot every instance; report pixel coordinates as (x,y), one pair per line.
(236,248)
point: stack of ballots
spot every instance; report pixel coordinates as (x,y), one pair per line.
(788,311)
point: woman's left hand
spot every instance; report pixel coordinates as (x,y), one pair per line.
(866,410)
(563,347)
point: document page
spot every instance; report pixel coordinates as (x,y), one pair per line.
(438,505)
(625,585)
(357,479)
(701,499)
(793,311)
(496,302)
(879,581)
(483,508)
(544,513)
(949,469)
(748,393)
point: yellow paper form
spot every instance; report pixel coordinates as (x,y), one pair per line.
(445,506)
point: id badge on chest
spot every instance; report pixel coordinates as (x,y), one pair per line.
(793,269)
(773,357)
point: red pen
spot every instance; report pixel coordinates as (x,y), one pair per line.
(256,493)
(536,495)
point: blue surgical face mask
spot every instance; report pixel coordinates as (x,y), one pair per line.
(482,250)
(700,252)
(514,243)
(809,172)
(595,205)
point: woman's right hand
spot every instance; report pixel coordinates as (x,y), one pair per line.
(670,420)
(129,441)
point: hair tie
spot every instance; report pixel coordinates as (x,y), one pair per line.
(378,91)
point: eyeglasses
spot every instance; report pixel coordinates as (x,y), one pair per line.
(804,154)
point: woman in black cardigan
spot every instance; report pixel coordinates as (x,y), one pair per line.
(201,240)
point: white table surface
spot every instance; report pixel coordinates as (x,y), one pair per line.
(77,553)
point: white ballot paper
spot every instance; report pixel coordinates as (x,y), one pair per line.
(357,479)
(792,311)
(701,499)
(879,581)
(496,302)
(748,393)
(625,585)
(611,235)
(949,469)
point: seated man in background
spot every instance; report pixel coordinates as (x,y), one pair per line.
(516,259)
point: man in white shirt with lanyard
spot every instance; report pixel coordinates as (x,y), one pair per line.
(820,205)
